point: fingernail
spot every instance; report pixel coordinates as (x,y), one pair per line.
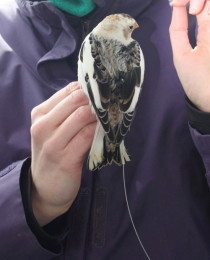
(193,8)
(174,3)
(170,2)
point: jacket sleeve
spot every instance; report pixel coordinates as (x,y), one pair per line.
(199,124)
(17,239)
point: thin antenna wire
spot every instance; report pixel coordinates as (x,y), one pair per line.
(131,218)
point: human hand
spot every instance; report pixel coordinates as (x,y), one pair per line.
(62,132)
(192,65)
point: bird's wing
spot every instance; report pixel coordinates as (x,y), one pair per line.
(130,62)
(96,80)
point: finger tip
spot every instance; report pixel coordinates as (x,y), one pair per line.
(192,12)
(174,3)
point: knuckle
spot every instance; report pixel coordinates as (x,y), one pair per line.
(72,87)
(36,112)
(78,97)
(171,28)
(87,132)
(48,149)
(37,130)
(83,113)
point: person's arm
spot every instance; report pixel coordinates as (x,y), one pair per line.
(199,124)
(51,236)
(37,197)
(193,66)
(17,239)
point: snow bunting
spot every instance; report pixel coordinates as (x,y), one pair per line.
(111,71)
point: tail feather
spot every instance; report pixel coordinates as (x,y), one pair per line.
(120,156)
(104,152)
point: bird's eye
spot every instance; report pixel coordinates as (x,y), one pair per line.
(131,27)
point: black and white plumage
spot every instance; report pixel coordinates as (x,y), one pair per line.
(111,72)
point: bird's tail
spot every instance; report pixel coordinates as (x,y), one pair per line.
(104,152)
(115,152)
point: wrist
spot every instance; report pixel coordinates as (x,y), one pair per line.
(198,119)
(201,104)
(43,211)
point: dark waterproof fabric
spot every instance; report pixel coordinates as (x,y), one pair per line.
(167,180)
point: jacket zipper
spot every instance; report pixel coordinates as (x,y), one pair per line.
(85,28)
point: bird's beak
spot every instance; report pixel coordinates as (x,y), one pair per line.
(136,26)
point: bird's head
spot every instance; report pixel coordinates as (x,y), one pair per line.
(117,26)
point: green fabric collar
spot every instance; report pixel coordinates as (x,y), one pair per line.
(76,7)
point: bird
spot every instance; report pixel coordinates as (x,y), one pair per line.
(111,71)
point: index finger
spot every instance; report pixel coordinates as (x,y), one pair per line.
(196,6)
(50,103)
(179,32)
